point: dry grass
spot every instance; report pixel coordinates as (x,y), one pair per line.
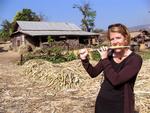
(71,75)
(42,87)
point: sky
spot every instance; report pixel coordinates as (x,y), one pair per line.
(128,12)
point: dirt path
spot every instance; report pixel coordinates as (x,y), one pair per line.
(6,56)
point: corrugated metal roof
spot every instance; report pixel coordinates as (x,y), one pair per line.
(34,28)
(38,25)
(58,33)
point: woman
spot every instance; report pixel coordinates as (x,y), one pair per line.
(120,71)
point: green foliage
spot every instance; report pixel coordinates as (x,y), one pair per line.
(95,55)
(4,35)
(55,55)
(50,40)
(56,50)
(26,15)
(88,20)
(71,56)
(57,59)
(8,27)
(6,30)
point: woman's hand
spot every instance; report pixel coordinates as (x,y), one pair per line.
(103,51)
(83,53)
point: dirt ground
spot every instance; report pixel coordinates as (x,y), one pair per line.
(18,94)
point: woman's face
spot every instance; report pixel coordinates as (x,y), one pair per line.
(117,39)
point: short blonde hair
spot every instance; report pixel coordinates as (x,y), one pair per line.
(119,28)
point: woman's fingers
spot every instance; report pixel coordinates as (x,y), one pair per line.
(103,52)
(83,53)
(104,48)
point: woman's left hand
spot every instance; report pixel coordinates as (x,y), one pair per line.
(103,51)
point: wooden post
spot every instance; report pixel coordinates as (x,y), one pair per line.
(21,59)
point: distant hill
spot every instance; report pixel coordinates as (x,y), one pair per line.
(140,27)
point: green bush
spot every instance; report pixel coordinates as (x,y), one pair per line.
(70,56)
(56,59)
(95,55)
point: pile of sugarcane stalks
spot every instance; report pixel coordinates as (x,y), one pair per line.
(56,76)
(72,75)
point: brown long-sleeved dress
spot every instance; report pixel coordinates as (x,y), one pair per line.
(116,94)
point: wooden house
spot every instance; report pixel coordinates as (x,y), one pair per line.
(140,39)
(34,34)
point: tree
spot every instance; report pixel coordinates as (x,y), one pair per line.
(6,25)
(6,30)
(88,20)
(4,36)
(26,15)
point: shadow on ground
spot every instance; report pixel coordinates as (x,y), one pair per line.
(3,50)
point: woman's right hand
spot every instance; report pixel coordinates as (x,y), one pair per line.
(103,51)
(83,53)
